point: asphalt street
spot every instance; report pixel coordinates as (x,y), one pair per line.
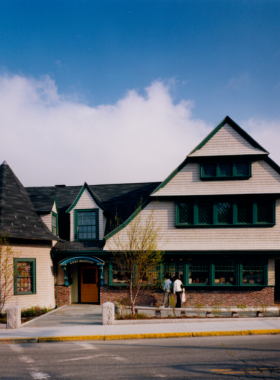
(248,357)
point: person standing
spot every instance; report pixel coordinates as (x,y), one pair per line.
(177,289)
(166,290)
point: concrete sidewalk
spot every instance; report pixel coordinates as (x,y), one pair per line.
(136,331)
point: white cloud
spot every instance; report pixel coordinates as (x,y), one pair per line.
(50,139)
(266,133)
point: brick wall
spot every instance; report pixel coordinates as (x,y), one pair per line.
(205,297)
(62,295)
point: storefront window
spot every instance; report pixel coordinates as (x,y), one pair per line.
(119,276)
(198,271)
(173,269)
(225,271)
(253,272)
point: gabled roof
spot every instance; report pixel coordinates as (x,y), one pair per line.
(92,194)
(256,148)
(18,218)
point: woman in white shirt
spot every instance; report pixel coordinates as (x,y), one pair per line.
(177,289)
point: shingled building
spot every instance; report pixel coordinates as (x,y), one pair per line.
(219,211)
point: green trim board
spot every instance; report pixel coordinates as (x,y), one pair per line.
(94,197)
(53,214)
(76,212)
(236,127)
(17,277)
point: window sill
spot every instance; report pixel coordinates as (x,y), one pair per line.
(226,286)
(230,178)
(257,225)
(24,293)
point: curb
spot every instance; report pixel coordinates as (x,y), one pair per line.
(138,336)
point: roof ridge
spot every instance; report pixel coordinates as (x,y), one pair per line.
(236,127)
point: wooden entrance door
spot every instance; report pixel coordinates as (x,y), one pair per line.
(89,284)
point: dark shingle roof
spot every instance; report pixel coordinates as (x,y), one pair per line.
(120,198)
(17,215)
(76,246)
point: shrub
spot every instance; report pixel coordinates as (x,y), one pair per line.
(133,316)
(216,309)
(173,302)
(34,311)
(199,308)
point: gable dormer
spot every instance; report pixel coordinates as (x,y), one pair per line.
(87,219)
(227,154)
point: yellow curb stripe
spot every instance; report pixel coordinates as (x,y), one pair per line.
(260,332)
(68,338)
(148,336)
(220,333)
(140,336)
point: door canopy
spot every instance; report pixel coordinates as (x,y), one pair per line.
(81,259)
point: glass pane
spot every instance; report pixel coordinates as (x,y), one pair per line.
(24,269)
(242,169)
(225,271)
(209,170)
(89,276)
(185,212)
(119,276)
(265,212)
(198,271)
(253,272)
(172,270)
(87,225)
(226,170)
(224,211)
(205,212)
(244,212)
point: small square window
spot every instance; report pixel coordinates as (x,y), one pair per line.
(226,170)
(265,212)
(209,170)
(205,212)
(185,212)
(242,169)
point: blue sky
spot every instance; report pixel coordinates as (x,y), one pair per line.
(223,56)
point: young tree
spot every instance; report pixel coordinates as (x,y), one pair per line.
(7,271)
(136,255)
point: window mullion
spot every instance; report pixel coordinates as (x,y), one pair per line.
(195,213)
(255,212)
(218,171)
(234,173)
(215,213)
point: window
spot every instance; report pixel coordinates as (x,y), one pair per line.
(224,271)
(253,272)
(173,269)
(226,213)
(25,276)
(205,213)
(86,222)
(198,271)
(225,170)
(120,276)
(54,224)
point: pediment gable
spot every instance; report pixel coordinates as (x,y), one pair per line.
(228,139)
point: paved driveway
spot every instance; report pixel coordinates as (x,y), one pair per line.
(75,315)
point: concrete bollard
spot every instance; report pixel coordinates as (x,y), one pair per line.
(108,313)
(13,317)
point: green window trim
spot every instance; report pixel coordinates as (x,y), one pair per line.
(76,212)
(17,277)
(226,213)
(54,228)
(224,170)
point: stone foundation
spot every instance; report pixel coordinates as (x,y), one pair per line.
(62,295)
(249,297)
